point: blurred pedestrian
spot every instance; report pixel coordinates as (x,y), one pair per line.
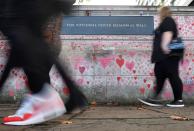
(166,62)
(22,23)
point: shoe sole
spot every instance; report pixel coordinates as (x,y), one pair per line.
(37,119)
(149,104)
(175,106)
(43,116)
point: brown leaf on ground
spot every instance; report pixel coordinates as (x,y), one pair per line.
(179,118)
(93,103)
(66,122)
(140,108)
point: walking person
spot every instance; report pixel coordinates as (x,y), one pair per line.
(22,23)
(166,65)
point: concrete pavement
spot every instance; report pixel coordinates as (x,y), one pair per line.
(112,118)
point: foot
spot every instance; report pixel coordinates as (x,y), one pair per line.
(73,104)
(177,103)
(76,100)
(38,108)
(24,112)
(151,102)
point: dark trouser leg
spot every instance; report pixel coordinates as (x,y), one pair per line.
(175,81)
(36,80)
(35,57)
(31,51)
(160,77)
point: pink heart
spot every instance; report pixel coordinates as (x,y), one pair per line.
(130,65)
(167,95)
(151,73)
(105,61)
(80,81)
(185,63)
(132,54)
(11,93)
(18,85)
(82,69)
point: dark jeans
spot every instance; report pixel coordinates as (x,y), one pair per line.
(169,68)
(30,52)
(22,25)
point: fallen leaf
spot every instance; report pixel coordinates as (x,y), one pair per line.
(93,103)
(179,118)
(67,122)
(140,108)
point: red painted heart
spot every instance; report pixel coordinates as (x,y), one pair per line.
(120,62)
(135,77)
(66,90)
(118,78)
(82,69)
(142,90)
(151,74)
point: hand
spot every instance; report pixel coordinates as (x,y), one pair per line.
(166,50)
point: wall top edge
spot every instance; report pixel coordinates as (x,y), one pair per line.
(134,8)
(114,37)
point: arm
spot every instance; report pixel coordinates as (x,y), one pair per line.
(166,39)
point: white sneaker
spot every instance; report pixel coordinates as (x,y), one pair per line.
(38,108)
(24,112)
(177,103)
(151,102)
